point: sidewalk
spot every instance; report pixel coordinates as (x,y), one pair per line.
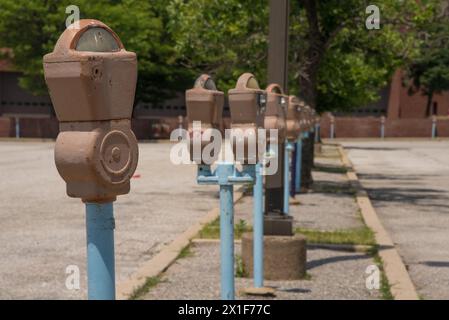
(328,213)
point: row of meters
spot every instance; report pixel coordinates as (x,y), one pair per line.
(92,81)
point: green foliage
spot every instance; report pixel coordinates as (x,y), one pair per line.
(212,229)
(429,67)
(355,236)
(32,27)
(223,38)
(150,283)
(240,271)
(176,40)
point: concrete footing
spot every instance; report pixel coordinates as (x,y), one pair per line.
(285,257)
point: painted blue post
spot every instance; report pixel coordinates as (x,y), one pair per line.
(100,251)
(434,127)
(226,176)
(382,127)
(17,127)
(224,171)
(258,228)
(298,165)
(288,148)
(293,170)
(317,132)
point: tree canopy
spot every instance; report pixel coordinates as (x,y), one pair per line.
(428,68)
(336,63)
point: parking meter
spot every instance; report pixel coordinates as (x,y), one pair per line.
(204,111)
(275,119)
(205,103)
(247,103)
(92,80)
(276,112)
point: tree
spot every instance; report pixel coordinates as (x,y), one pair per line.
(32,27)
(339,64)
(222,38)
(428,69)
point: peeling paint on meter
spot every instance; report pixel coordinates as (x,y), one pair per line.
(92,81)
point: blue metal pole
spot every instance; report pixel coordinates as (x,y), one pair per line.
(226,231)
(100,251)
(17,127)
(434,129)
(317,132)
(258,228)
(287,150)
(293,170)
(298,165)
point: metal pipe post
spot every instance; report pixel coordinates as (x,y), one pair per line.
(317,132)
(287,149)
(226,231)
(17,122)
(100,251)
(298,165)
(258,228)
(434,127)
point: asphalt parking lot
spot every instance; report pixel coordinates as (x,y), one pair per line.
(42,231)
(408,183)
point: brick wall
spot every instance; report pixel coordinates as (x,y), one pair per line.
(345,127)
(369,127)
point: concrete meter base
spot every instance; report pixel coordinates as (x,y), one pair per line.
(285,257)
(278,225)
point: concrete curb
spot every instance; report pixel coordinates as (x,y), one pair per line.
(162,261)
(402,287)
(312,246)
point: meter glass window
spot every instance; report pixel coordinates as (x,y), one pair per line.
(206,83)
(252,84)
(97,40)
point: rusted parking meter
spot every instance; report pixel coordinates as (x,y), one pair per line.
(247,103)
(204,105)
(276,220)
(92,80)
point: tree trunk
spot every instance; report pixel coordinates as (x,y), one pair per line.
(308,85)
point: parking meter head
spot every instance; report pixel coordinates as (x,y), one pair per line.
(275,115)
(91,65)
(204,105)
(92,79)
(293,118)
(247,103)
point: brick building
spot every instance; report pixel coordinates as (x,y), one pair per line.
(25,115)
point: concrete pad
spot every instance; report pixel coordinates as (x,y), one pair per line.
(42,231)
(333,275)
